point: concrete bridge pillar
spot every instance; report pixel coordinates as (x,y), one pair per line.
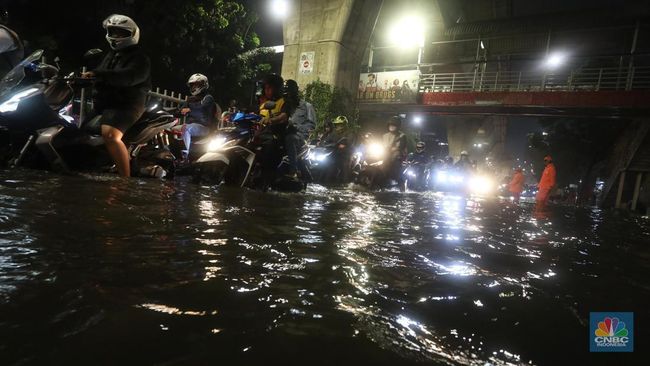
(461,133)
(326,39)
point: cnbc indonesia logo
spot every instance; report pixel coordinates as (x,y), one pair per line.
(611,333)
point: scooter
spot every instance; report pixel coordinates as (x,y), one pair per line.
(242,158)
(46,129)
(330,164)
(417,176)
(372,169)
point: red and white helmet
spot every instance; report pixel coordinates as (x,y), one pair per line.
(197,84)
(121,31)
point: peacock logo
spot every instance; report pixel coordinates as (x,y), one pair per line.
(611,327)
(611,332)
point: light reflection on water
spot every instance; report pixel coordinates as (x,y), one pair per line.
(172,273)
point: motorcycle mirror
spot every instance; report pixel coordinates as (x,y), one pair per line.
(270,105)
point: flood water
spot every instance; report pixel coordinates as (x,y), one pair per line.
(99,271)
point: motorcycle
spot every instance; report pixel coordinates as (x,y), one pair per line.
(45,127)
(329,163)
(242,158)
(373,171)
(449,179)
(417,176)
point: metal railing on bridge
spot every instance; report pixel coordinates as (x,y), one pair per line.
(586,79)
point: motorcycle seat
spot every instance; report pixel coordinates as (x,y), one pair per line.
(147,127)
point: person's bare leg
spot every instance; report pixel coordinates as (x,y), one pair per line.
(116,149)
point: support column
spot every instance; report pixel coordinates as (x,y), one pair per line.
(637,189)
(619,193)
(499,131)
(326,40)
(461,132)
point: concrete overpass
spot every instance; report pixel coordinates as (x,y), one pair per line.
(482,62)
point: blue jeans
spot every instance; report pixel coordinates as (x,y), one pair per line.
(193,130)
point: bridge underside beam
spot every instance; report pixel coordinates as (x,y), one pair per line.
(572,99)
(507,110)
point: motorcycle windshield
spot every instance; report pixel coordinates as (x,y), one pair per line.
(17,74)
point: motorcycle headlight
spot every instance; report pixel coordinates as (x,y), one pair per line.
(456,178)
(11,104)
(481,185)
(411,173)
(442,177)
(216,143)
(376,150)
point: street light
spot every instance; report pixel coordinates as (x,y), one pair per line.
(555,60)
(408,32)
(279,9)
(417,120)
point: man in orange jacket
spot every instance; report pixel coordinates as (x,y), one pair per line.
(516,185)
(547,183)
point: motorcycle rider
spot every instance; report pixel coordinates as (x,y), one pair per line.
(277,120)
(233,108)
(303,116)
(420,155)
(200,111)
(464,163)
(395,142)
(341,139)
(11,49)
(123,80)
(327,135)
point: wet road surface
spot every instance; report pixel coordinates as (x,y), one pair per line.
(95,270)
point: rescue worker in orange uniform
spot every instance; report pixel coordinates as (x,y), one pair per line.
(547,182)
(516,185)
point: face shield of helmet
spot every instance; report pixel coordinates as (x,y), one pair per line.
(118,33)
(196,88)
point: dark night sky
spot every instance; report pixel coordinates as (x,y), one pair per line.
(268,29)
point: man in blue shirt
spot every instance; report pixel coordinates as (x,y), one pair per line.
(303,115)
(200,111)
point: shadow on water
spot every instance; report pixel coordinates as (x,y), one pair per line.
(98,270)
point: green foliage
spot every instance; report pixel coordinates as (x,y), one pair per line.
(331,102)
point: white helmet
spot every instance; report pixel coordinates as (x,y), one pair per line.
(197,84)
(464,152)
(121,31)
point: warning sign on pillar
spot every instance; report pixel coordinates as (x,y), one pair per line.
(306,63)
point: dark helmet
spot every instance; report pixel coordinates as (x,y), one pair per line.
(449,159)
(420,146)
(291,87)
(395,121)
(275,81)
